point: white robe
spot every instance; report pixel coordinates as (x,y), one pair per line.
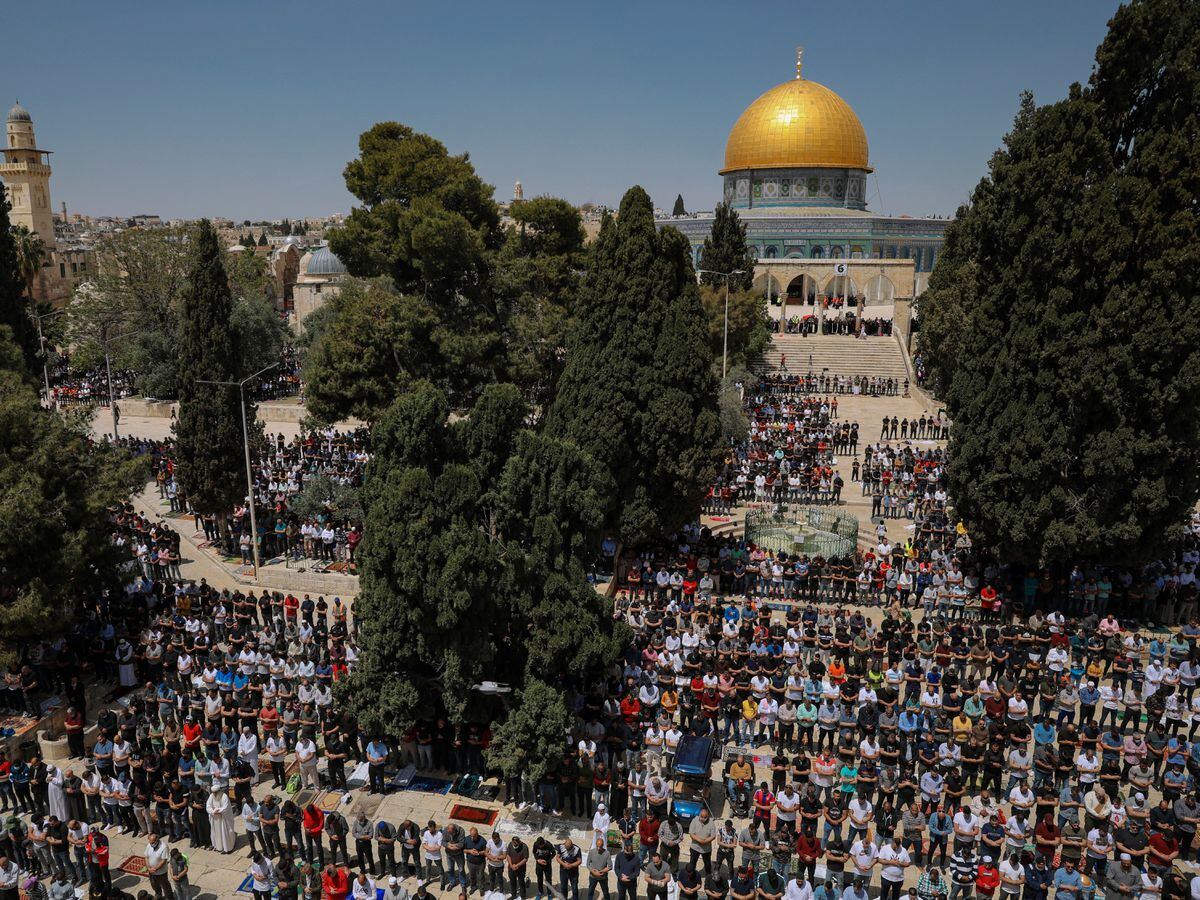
(57,798)
(125,665)
(220,817)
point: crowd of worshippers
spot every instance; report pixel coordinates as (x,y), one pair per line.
(281,473)
(856,753)
(70,386)
(216,687)
(788,456)
(784,382)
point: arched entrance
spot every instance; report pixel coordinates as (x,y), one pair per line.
(799,300)
(879,291)
(839,305)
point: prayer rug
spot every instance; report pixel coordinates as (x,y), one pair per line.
(134,865)
(476,815)
(330,800)
(430,785)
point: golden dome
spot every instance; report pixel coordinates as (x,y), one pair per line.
(797,124)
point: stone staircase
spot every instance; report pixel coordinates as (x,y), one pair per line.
(839,354)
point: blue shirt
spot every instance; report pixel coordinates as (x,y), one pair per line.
(1043,733)
(1069,881)
(377,752)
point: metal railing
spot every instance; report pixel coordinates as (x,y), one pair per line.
(808,529)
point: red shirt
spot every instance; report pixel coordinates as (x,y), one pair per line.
(808,848)
(314,821)
(648,831)
(335,885)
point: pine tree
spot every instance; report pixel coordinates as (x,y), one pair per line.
(209,430)
(262,238)
(637,393)
(679,209)
(725,250)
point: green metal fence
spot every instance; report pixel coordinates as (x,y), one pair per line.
(806,529)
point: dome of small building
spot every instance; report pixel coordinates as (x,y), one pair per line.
(322,262)
(19,113)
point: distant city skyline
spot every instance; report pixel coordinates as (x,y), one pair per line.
(250,111)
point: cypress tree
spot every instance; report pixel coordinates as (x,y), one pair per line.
(638,393)
(209,430)
(14,308)
(725,250)
(679,209)
(1076,394)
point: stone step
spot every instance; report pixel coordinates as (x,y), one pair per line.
(839,354)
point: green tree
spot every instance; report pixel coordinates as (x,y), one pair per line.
(749,330)
(472,564)
(14,307)
(426,218)
(262,239)
(679,209)
(636,395)
(536,276)
(529,742)
(374,346)
(56,487)
(248,274)
(209,430)
(431,224)
(948,301)
(322,495)
(141,276)
(725,250)
(427,613)
(31,256)
(1076,395)
(261,333)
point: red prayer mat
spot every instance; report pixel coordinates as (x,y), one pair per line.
(476,815)
(134,865)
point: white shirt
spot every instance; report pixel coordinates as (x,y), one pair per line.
(893,862)
(798,890)
(432,839)
(1016,873)
(157,855)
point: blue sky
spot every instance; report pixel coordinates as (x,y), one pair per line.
(251,109)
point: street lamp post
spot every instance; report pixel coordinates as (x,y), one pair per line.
(112,402)
(725,337)
(42,347)
(241,386)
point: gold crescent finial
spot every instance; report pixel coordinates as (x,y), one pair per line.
(799,61)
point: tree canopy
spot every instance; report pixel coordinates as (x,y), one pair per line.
(638,393)
(1075,390)
(209,429)
(14,305)
(725,250)
(472,567)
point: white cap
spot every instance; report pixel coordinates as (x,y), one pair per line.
(1125,857)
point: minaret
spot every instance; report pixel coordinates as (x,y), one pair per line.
(26,175)
(518,193)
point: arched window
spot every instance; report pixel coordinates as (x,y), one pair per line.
(817,253)
(836,252)
(772,252)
